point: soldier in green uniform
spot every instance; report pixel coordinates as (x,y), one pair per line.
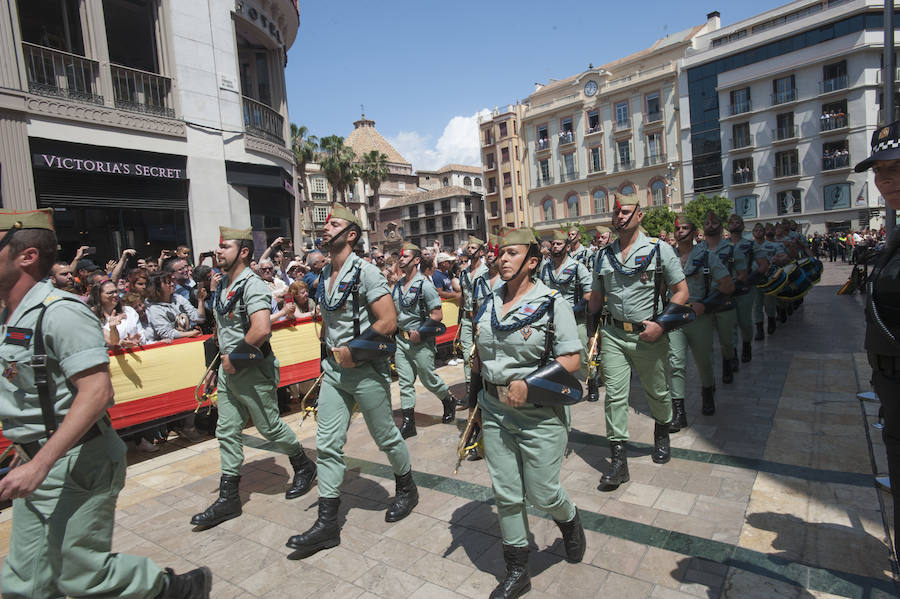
(725,319)
(750,264)
(709,290)
(764,250)
(472,283)
(248,377)
(358,319)
(630,281)
(419,317)
(576,250)
(780,256)
(524,330)
(70,462)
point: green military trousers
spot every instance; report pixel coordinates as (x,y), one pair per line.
(524,449)
(250,393)
(758,302)
(581,324)
(465,340)
(620,352)
(698,335)
(62,533)
(771,305)
(725,323)
(367,385)
(417,359)
(744,313)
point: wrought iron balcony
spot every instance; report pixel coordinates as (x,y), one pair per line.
(782,133)
(139,91)
(568,175)
(542,144)
(566,137)
(61,74)
(653,159)
(788,95)
(262,121)
(544,181)
(742,178)
(833,84)
(740,107)
(831,122)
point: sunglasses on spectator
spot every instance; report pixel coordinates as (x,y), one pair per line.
(265,268)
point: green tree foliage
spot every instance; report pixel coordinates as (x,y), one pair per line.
(658,218)
(337,164)
(701,205)
(305,149)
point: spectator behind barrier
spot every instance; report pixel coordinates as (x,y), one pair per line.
(171,316)
(121,324)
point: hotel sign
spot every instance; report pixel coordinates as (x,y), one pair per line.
(106,167)
(254,13)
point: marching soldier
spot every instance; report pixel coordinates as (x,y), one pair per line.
(576,250)
(248,377)
(630,282)
(780,256)
(471,281)
(725,319)
(71,463)
(750,264)
(419,319)
(883,300)
(709,287)
(763,250)
(358,318)
(526,332)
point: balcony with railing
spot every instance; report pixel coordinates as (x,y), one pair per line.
(833,84)
(787,170)
(566,137)
(786,133)
(654,159)
(623,125)
(783,97)
(488,140)
(61,74)
(262,121)
(740,107)
(544,181)
(542,145)
(594,129)
(624,165)
(139,91)
(742,142)
(654,117)
(568,175)
(595,166)
(833,122)
(743,176)
(836,160)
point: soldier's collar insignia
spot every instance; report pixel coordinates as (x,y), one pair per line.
(526,331)
(17,336)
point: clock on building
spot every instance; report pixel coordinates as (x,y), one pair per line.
(590,88)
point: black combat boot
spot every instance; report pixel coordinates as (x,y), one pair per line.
(709,401)
(304,475)
(782,315)
(661,452)
(727,371)
(449,404)
(408,426)
(226,507)
(746,351)
(760,335)
(517,581)
(593,392)
(618,468)
(771,327)
(679,416)
(573,538)
(325,531)
(195,584)
(406,499)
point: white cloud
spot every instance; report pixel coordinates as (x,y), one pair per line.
(458,144)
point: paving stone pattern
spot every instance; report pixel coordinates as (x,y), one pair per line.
(773,496)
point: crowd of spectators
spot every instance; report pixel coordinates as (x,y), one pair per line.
(833,119)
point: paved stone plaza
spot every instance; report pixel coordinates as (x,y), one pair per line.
(771,497)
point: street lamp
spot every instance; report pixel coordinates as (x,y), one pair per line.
(671,178)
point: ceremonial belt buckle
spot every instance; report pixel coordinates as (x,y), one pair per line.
(502,392)
(627,327)
(404,334)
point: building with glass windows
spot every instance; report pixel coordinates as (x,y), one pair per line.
(146,123)
(781,106)
(502,162)
(609,130)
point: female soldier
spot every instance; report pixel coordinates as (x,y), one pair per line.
(883,302)
(520,327)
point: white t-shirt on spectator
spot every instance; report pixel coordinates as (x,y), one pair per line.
(129,326)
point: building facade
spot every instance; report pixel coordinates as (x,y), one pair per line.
(607,131)
(502,162)
(458,175)
(146,123)
(796,95)
(445,216)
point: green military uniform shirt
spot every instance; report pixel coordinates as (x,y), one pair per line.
(580,254)
(468,281)
(746,253)
(74,343)
(256,296)
(572,280)
(339,322)
(409,301)
(511,355)
(772,248)
(629,298)
(700,258)
(725,252)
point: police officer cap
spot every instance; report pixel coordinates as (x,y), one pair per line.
(559,235)
(475,241)
(629,200)
(26,219)
(410,246)
(341,212)
(237,234)
(885,146)
(523,236)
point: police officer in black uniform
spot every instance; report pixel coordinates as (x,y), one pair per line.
(883,302)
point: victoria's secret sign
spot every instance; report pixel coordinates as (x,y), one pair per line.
(106,167)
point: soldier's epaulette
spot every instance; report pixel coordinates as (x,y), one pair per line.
(50,299)
(553,293)
(653,239)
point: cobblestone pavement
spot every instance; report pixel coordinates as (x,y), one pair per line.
(771,497)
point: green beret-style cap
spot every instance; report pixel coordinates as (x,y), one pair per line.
(601,229)
(629,200)
(475,241)
(523,236)
(682,218)
(343,213)
(559,235)
(238,234)
(27,219)
(409,246)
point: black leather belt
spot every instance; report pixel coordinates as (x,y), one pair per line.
(32,447)
(889,365)
(493,389)
(628,327)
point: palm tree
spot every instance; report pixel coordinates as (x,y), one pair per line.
(373,171)
(305,149)
(337,164)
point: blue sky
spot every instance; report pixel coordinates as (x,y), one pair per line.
(424,69)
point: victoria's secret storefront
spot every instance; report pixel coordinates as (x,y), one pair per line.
(112,198)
